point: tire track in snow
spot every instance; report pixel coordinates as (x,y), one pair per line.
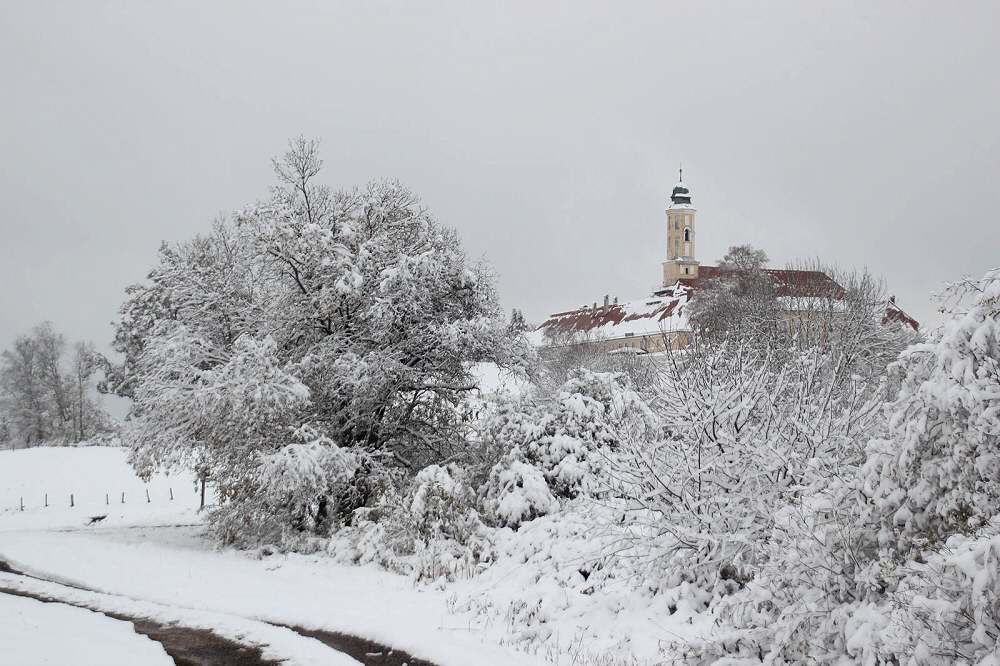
(198,646)
(185,645)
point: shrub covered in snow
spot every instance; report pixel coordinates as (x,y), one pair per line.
(946,609)
(745,435)
(892,557)
(559,446)
(804,600)
(430,530)
(518,491)
(938,473)
(291,496)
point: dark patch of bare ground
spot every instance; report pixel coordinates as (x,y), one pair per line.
(202,647)
(186,646)
(366,651)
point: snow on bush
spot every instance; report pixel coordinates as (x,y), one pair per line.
(806,598)
(520,492)
(938,473)
(352,313)
(431,530)
(890,557)
(558,447)
(291,497)
(561,587)
(946,610)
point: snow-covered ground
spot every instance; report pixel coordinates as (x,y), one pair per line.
(33,632)
(96,480)
(149,559)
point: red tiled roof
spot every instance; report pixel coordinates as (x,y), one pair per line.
(643,315)
(894,313)
(798,284)
(665,309)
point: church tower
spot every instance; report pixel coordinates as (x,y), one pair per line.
(680,264)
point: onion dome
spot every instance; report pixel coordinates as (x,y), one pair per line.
(681,194)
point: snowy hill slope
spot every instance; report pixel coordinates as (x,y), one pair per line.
(95,479)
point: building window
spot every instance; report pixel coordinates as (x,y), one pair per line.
(687,235)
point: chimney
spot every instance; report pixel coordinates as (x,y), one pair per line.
(616,300)
(606,303)
(593,309)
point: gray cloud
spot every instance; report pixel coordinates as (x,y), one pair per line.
(548,134)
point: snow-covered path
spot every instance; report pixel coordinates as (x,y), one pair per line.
(35,633)
(149,559)
(276,643)
(169,574)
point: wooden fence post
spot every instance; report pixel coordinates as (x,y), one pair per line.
(147,496)
(71,503)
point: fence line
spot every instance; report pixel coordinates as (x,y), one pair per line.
(107,499)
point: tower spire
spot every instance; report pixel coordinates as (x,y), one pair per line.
(680,264)
(681,170)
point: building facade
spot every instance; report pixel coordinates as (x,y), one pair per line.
(659,322)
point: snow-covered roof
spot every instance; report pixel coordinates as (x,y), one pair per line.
(653,315)
(790,283)
(664,311)
(893,313)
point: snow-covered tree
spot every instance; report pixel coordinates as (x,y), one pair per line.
(50,349)
(23,392)
(88,416)
(938,472)
(351,314)
(46,396)
(890,555)
(560,446)
(738,301)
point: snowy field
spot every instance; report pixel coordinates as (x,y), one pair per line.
(97,481)
(149,559)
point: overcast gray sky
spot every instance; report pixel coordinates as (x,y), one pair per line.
(548,134)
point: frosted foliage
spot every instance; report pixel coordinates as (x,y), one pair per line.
(351,314)
(808,599)
(430,531)
(938,473)
(744,435)
(522,492)
(564,442)
(289,496)
(943,610)
(200,399)
(891,557)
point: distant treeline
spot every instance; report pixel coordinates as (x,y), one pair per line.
(47,391)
